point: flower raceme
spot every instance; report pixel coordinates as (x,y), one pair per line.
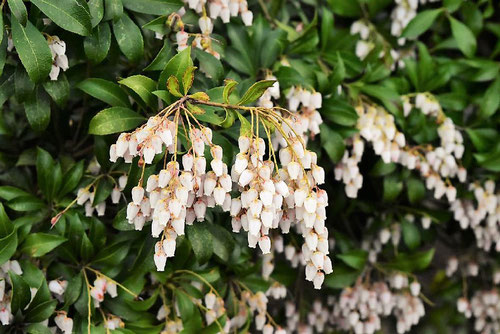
(267,195)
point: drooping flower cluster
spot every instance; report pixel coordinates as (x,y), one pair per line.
(347,169)
(484,307)
(225,9)
(363,46)
(100,288)
(59,58)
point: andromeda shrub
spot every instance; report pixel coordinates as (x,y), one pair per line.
(218,166)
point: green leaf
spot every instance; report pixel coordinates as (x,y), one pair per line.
(48,180)
(6,226)
(201,241)
(129,38)
(112,254)
(354,258)
(345,8)
(33,50)
(465,39)
(96,46)
(412,262)
(411,234)
(71,178)
(106,91)
(113,9)
(143,86)
(246,127)
(339,111)
(86,249)
(18,8)
(9,192)
(483,139)
(73,290)
(416,190)
(381,168)
(37,109)
(8,246)
(96,9)
(222,241)
(161,58)
(255,91)
(229,86)
(392,188)
(143,305)
(188,78)
(103,189)
(342,276)
(38,329)
(154,7)
(491,99)
(176,66)
(120,221)
(20,294)
(113,120)
(209,65)
(26,203)
(326,27)
(58,89)
(71,15)
(173,86)
(41,311)
(184,304)
(332,143)
(38,244)
(421,23)
(24,86)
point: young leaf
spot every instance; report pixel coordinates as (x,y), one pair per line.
(491,99)
(129,38)
(188,78)
(176,66)
(72,15)
(33,50)
(465,39)
(173,86)
(255,91)
(229,86)
(113,120)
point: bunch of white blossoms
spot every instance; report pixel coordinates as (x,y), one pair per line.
(347,169)
(304,105)
(485,308)
(363,46)
(485,208)
(59,58)
(100,288)
(273,198)
(174,197)
(85,197)
(225,9)
(257,304)
(361,307)
(435,164)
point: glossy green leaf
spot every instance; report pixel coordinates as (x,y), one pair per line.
(72,15)
(153,7)
(105,91)
(113,120)
(129,38)
(255,91)
(33,50)
(465,39)
(421,23)
(97,44)
(143,86)
(38,244)
(201,241)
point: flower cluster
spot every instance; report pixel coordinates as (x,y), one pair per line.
(363,46)
(347,169)
(225,9)
(100,288)
(484,307)
(59,58)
